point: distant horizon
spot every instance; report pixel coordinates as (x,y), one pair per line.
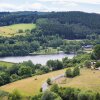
(48,11)
(90,6)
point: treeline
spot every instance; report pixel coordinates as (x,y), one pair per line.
(26,69)
(9,18)
(59,93)
(55,93)
(24,45)
(69,25)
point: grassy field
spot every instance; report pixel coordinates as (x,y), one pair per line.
(30,86)
(88,80)
(49,50)
(12,30)
(8,64)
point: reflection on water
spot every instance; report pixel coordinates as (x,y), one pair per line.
(37,59)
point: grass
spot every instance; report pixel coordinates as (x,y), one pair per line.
(8,64)
(88,50)
(49,50)
(30,86)
(12,30)
(88,80)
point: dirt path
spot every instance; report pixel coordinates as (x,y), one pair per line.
(45,86)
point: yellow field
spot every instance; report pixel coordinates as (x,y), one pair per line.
(30,86)
(13,29)
(88,80)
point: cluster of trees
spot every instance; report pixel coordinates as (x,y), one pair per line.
(96,52)
(20,71)
(18,48)
(72,73)
(24,45)
(55,64)
(79,60)
(59,93)
(8,18)
(26,69)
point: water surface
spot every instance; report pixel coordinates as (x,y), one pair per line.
(37,59)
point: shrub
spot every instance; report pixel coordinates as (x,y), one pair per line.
(48,95)
(76,71)
(86,95)
(25,71)
(15,96)
(49,81)
(54,88)
(69,73)
(20,31)
(97,64)
(14,77)
(72,73)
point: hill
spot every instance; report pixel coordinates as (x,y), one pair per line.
(88,80)
(69,25)
(30,86)
(14,29)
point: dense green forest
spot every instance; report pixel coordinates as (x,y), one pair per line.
(70,25)
(52,30)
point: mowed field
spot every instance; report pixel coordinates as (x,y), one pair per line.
(88,80)
(12,30)
(30,86)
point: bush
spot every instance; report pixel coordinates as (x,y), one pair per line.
(86,95)
(69,73)
(15,96)
(54,88)
(20,31)
(72,73)
(96,52)
(76,71)
(25,71)
(49,81)
(37,97)
(14,77)
(48,95)
(87,63)
(97,64)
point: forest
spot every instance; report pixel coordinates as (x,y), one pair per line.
(52,30)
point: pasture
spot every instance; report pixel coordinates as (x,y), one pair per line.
(88,80)
(12,30)
(30,86)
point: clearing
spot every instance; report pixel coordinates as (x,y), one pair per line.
(12,30)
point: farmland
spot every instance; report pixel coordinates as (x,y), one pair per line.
(88,80)
(30,86)
(13,30)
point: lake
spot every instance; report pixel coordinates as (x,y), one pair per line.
(37,59)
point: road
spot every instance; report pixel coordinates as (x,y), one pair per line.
(45,86)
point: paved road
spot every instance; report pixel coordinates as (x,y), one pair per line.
(45,86)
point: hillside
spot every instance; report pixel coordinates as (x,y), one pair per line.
(30,86)
(69,25)
(14,29)
(88,80)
